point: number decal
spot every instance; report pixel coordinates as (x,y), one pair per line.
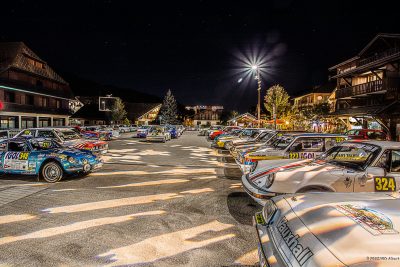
(385,184)
(339,139)
(303,155)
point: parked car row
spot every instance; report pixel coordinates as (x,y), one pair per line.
(161,133)
(328,199)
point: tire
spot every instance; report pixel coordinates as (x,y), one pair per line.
(51,172)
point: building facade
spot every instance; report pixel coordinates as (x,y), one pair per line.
(206,115)
(32,94)
(368,85)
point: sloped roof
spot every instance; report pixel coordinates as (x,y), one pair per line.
(250,116)
(15,55)
(385,36)
(136,110)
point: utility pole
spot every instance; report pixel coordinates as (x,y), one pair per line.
(259,98)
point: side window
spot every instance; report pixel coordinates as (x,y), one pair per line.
(17,147)
(307,145)
(383,162)
(46,134)
(395,161)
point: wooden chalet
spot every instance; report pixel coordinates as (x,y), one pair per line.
(31,92)
(368,85)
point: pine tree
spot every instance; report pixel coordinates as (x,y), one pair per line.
(118,111)
(169,109)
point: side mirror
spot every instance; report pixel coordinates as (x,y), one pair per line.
(375,171)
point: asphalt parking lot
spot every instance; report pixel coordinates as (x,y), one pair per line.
(152,204)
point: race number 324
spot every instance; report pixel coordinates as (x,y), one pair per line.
(386,184)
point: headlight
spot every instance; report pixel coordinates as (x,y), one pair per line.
(84,161)
(269,210)
(71,160)
(269,179)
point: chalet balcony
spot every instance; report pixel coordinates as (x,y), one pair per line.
(14,107)
(366,89)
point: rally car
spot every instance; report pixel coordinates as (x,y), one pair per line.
(259,137)
(44,157)
(67,137)
(225,130)
(158,133)
(244,134)
(288,148)
(352,166)
(329,230)
(142,131)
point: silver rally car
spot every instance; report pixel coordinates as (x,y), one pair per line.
(352,166)
(337,229)
(289,148)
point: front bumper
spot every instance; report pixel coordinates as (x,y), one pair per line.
(156,138)
(259,196)
(82,168)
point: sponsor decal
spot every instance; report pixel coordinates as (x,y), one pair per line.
(371,220)
(301,155)
(16,160)
(301,254)
(287,168)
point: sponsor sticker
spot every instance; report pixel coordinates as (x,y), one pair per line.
(16,160)
(371,220)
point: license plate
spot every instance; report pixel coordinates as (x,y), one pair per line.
(385,184)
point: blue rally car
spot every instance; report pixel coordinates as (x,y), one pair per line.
(44,157)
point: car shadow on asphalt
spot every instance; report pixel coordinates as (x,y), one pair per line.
(242,207)
(232,173)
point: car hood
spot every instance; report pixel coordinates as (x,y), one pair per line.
(83,141)
(358,227)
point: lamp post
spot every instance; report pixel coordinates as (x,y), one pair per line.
(258,78)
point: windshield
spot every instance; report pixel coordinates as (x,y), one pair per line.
(267,136)
(254,134)
(355,156)
(68,135)
(282,142)
(156,129)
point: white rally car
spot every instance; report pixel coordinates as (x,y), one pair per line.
(330,230)
(289,148)
(352,166)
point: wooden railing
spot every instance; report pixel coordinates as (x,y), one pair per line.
(362,89)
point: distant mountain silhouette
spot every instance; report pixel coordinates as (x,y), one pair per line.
(84,87)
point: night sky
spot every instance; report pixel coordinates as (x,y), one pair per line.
(193,47)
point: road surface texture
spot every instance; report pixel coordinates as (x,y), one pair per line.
(153,204)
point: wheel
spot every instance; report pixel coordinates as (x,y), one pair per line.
(51,172)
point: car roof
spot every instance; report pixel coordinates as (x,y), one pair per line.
(383,144)
(317,134)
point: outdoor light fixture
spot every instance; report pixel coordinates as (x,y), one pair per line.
(254,67)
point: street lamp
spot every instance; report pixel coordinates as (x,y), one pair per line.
(258,78)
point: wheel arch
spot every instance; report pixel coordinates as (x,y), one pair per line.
(321,188)
(50,160)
